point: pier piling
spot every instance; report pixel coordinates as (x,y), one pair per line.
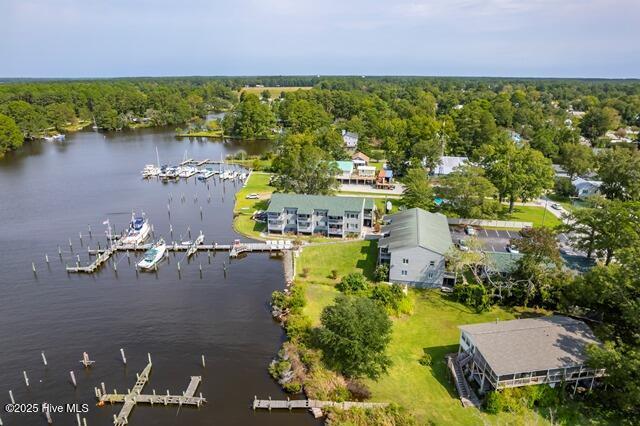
(78,419)
(124,358)
(13,401)
(26,378)
(44,359)
(73,379)
(33,267)
(203,363)
(47,414)
(59,251)
(70,245)
(46,257)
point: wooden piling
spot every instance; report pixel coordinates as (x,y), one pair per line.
(124,358)
(44,359)
(13,401)
(203,362)
(26,379)
(73,379)
(46,257)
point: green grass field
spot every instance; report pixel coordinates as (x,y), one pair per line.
(533,214)
(258,183)
(344,257)
(274,91)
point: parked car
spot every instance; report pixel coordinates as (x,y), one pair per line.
(470,230)
(252,196)
(512,249)
(462,245)
(556,206)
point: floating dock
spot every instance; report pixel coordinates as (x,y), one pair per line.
(135,396)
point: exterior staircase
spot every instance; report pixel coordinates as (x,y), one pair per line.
(467,395)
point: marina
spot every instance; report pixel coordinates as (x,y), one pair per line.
(176,319)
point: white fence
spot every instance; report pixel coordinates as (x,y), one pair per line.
(487,223)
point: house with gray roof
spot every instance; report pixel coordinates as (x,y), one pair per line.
(350,139)
(546,350)
(319,214)
(414,244)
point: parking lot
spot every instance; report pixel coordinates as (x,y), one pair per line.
(490,239)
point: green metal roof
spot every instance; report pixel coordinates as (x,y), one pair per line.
(502,262)
(306,204)
(417,228)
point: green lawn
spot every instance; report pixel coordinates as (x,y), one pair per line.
(344,257)
(258,183)
(424,391)
(273,91)
(532,214)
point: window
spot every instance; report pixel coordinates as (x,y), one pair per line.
(405,260)
(432,263)
(403,272)
(430,275)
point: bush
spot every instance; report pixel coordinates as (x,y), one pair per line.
(381,273)
(353,283)
(334,274)
(426,358)
(358,390)
(517,400)
(305,272)
(298,327)
(472,295)
(388,296)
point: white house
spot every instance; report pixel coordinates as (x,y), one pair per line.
(414,245)
(350,139)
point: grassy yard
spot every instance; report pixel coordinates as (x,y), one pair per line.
(424,391)
(344,257)
(274,91)
(258,183)
(532,214)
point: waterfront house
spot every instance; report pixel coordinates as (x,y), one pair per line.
(320,214)
(360,159)
(448,164)
(414,244)
(350,139)
(367,171)
(532,351)
(345,169)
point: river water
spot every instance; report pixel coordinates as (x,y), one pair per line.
(49,193)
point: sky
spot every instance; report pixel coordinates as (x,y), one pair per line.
(519,38)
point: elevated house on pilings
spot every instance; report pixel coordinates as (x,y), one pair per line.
(523,352)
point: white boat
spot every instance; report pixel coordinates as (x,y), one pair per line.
(150,170)
(187,171)
(153,256)
(205,174)
(225,175)
(138,231)
(55,138)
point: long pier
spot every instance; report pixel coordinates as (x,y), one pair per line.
(135,396)
(312,404)
(234,250)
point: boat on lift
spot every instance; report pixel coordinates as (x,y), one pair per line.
(150,170)
(138,231)
(153,255)
(187,171)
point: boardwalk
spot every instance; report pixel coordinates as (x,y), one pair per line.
(135,396)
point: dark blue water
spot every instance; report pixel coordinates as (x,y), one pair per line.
(52,192)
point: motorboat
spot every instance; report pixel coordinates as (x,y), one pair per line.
(153,256)
(150,170)
(187,171)
(205,174)
(138,231)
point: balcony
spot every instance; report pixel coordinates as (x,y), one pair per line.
(336,220)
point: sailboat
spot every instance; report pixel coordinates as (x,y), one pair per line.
(138,230)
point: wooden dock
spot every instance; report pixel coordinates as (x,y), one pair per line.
(135,396)
(234,250)
(310,404)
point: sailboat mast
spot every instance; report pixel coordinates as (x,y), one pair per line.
(157,156)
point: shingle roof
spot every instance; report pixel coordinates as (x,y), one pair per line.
(306,204)
(417,228)
(532,344)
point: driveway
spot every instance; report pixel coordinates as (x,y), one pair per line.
(490,239)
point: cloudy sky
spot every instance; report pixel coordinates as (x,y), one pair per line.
(104,38)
